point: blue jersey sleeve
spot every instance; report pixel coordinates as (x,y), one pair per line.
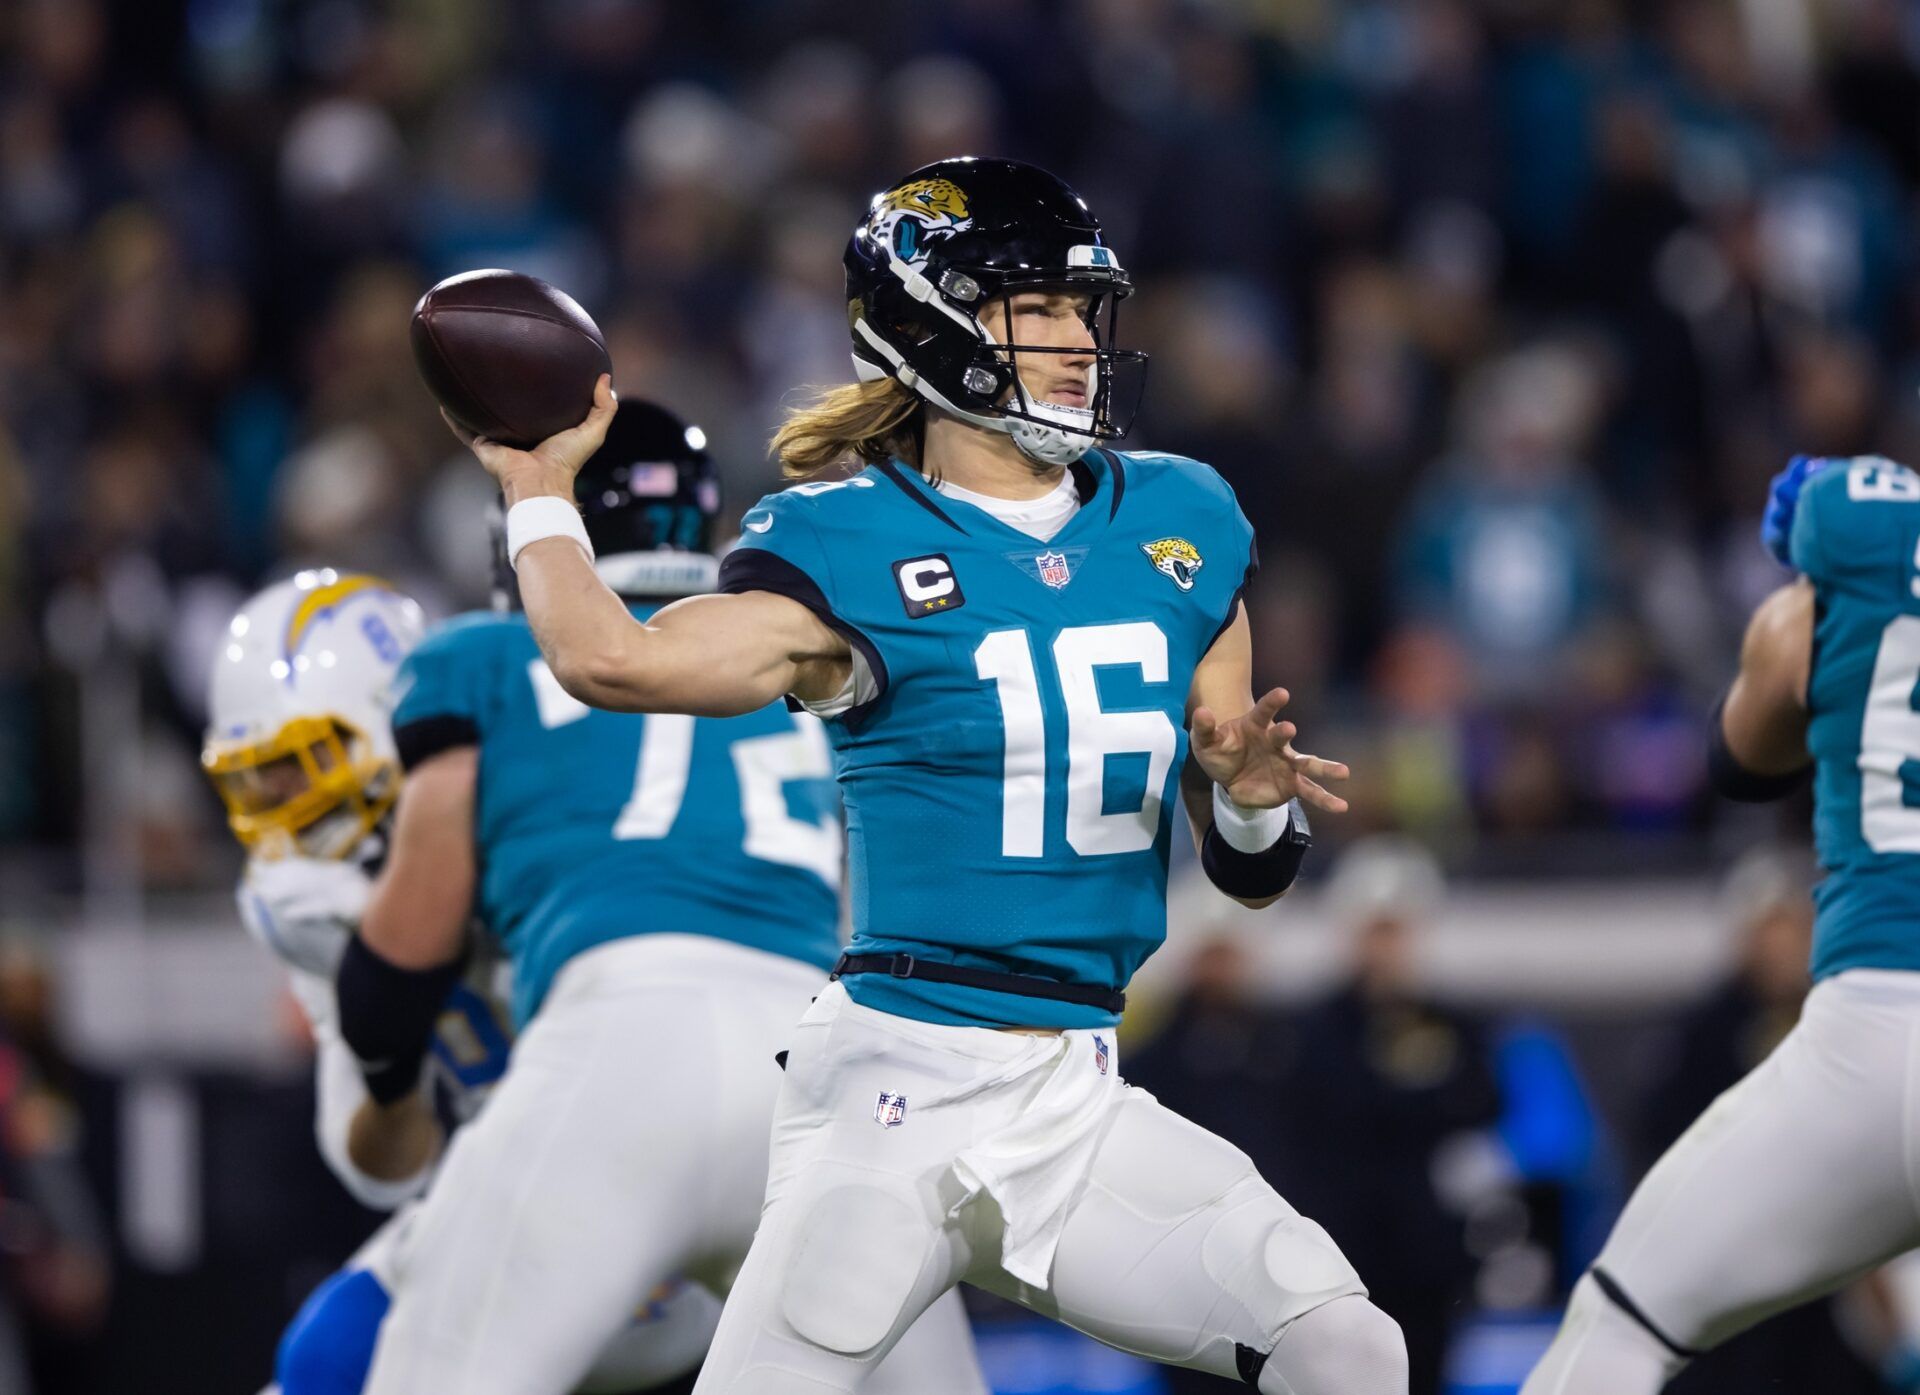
(780,550)
(443,687)
(1854,527)
(1225,536)
(1243,548)
(783,549)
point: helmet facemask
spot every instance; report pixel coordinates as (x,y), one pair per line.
(316,788)
(976,377)
(1056,433)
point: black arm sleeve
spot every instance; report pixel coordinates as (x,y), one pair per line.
(387,1016)
(1734,780)
(1256,876)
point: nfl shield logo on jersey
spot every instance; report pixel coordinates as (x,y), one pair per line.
(890,1111)
(1053,569)
(1100,1053)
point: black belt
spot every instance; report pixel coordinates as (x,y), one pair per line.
(1026,985)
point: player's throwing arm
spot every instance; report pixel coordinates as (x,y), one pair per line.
(711,656)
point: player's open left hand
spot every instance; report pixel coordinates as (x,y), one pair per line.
(1252,758)
(549,467)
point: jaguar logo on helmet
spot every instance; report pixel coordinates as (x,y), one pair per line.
(933,268)
(908,218)
(1174,558)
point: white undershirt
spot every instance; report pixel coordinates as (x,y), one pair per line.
(1040,518)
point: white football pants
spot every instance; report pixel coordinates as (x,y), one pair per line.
(661,1341)
(1796,1181)
(626,1147)
(909,1156)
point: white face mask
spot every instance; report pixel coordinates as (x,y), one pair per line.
(1065,435)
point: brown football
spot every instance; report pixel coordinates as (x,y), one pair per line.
(507,355)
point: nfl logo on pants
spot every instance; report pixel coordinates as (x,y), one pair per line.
(889,1111)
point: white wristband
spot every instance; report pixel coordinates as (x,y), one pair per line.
(1249,830)
(546,516)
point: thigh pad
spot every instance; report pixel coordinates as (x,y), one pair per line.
(854,1265)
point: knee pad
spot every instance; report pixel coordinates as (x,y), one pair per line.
(328,1347)
(1273,1261)
(854,1266)
(1345,1347)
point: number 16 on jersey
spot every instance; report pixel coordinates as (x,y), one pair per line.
(1005,658)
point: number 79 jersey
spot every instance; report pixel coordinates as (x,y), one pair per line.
(1855,536)
(594,826)
(1008,763)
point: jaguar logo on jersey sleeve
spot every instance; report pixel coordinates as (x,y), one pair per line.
(1174,558)
(910,217)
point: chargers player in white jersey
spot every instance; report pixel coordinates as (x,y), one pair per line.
(1806,1174)
(1010,631)
(666,890)
(298,747)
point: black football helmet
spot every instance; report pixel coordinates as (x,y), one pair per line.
(650,498)
(950,239)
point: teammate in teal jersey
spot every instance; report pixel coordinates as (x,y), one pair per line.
(666,891)
(595,826)
(1801,1177)
(1019,639)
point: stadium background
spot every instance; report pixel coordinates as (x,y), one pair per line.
(1498,314)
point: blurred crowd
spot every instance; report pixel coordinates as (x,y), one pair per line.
(1497,313)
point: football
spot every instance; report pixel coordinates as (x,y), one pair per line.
(510,357)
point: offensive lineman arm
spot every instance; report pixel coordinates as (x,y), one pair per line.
(1762,725)
(340,1097)
(416,922)
(1250,758)
(710,656)
(304,910)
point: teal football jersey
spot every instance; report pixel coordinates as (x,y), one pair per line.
(1009,766)
(592,826)
(1855,536)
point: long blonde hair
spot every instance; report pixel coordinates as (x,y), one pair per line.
(868,422)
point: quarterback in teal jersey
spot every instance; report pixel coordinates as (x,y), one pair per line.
(998,657)
(1020,639)
(666,891)
(1801,1177)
